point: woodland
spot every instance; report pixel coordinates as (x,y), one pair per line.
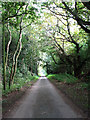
(50,37)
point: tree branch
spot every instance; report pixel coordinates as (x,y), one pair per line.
(79,20)
(86,4)
(53,58)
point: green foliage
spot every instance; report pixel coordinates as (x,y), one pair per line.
(22,77)
(63,78)
(19,81)
(83,86)
(39,37)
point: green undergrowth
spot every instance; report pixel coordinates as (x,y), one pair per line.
(19,82)
(63,78)
(69,79)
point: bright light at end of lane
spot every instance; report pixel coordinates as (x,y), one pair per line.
(41,71)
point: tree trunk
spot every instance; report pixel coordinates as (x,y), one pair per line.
(8,49)
(8,46)
(4,65)
(77,69)
(15,67)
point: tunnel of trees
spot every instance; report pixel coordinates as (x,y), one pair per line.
(53,35)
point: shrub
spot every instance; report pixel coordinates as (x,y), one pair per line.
(63,78)
(19,81)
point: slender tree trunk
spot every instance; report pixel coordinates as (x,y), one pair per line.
(36,69)
(8,49)
(31,67)
(15,67)
(15,58)
(4,65)
(8,45)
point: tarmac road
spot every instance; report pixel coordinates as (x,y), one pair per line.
(43,101)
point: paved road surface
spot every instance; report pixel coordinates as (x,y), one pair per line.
(43,101)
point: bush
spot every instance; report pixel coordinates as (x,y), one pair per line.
(19,81)
(63,78)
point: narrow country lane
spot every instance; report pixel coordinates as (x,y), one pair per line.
(43,101)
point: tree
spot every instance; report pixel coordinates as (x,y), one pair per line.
(13,15)
(77,10)
(61,32)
